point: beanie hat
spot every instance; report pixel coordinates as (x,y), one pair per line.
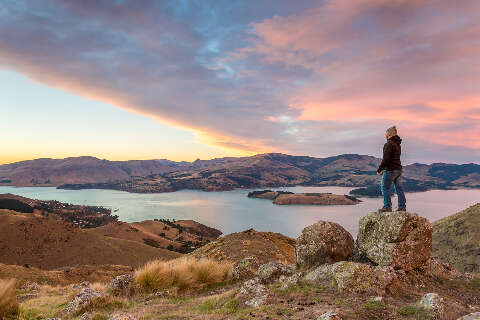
(392,131)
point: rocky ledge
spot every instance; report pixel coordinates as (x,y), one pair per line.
(285,198)
(391,258)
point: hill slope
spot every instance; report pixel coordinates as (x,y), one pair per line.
(181,236)
(262,170)
(265,246)
(456,239)
(31,239)
(53,172)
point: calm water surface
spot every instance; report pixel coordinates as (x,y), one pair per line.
(232,211)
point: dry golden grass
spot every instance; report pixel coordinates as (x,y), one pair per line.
(99,286)
(104,303)
(186,274)
(47,304)
(8,301)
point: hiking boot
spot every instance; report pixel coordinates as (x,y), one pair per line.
(402,209)
(384,209)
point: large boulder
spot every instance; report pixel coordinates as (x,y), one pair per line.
(323,242)
(354,277)
(397,239)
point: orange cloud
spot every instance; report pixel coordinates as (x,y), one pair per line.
(324,80)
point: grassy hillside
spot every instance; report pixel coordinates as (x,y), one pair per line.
(35,240)
(456,239)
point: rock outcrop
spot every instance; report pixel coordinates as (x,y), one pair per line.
(471,316)
(245,268)
(397,239)
(264,246)
(432,301)
(254,293)
(123,285)
(272,271)
(82,299)
(353,277)
(323,242)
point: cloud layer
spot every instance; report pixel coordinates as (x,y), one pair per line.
(317,78)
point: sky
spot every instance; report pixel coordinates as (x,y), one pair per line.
(201,79)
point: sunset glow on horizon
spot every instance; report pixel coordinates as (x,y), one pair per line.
(182,80)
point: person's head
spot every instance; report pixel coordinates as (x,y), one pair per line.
(392,131)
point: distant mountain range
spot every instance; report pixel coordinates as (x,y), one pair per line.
(260,171)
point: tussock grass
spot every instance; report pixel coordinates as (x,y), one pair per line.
(99,286)
(9,307)
(184,274)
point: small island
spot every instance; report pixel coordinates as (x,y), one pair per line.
(286,198)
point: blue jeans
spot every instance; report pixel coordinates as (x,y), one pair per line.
(395,177)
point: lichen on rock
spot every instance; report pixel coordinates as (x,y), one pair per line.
(83,298)
(398,239)
(123,285)
(245,268)
(323,242)
(353,277)
(253,292)
(271,271)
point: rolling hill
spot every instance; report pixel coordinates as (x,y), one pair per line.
(260,171)
(34,240)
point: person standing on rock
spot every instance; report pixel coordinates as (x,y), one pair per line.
(391,171)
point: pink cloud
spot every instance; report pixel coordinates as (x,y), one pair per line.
(324,80)
(412,62)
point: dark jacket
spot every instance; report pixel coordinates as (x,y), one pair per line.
(391,155)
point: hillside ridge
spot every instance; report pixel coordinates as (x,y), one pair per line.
(269,170)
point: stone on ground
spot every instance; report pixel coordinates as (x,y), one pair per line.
(397,239)
(323,242)
(471,316)
(80,286)
(123,285)
(433,302)
(330,315)
(83,298)
(286,282)
(254,293)
(245,268)
(271,271)
(354,277)
(86,316)
(123,316)
(438,269)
